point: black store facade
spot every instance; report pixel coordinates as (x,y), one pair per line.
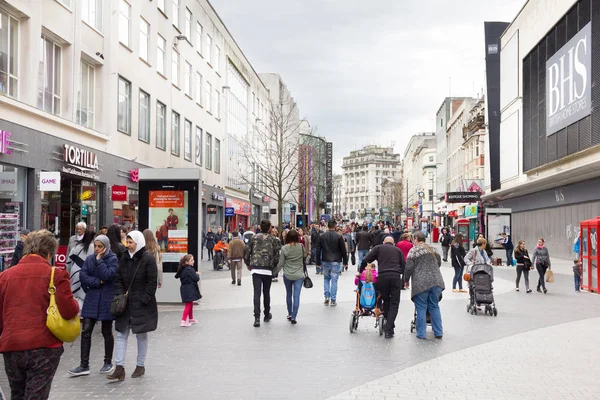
(87,178)
(213,207)
(561,83)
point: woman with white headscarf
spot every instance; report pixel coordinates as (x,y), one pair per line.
(137,275)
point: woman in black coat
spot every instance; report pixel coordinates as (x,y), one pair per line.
(138,275)
(190,292)
(211,239)
(458,253)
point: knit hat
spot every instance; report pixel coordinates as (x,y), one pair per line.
(104,240)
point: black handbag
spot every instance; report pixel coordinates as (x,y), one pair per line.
(307,281)
(353,259)
(119,302)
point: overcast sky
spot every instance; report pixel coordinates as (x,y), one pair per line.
(368,72)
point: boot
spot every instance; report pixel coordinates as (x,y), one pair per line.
(118,374)
(139,371)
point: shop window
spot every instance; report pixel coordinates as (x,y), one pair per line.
(126,212)
(49,83)
(13,187)
(9,54)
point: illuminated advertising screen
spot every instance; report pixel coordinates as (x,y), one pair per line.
(168,217)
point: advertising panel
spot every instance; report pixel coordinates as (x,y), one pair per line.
(329,172)
(168,214)
(119,193)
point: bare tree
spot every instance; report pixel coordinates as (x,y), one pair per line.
(272,154)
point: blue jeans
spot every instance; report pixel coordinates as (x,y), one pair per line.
(313,255)
(577,279)
(121,348)
(458,272)
(428,300)
(509,257)
(361,254)
(331,273)
(293,288)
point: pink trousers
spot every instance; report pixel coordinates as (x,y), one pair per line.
(188,311)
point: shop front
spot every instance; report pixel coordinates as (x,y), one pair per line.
(213,207)
(52,183)
(260,209)
(239,214)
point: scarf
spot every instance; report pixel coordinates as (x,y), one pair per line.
(138,238)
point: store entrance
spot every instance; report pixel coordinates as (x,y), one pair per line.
(78,201)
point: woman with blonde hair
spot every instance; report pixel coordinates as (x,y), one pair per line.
(154,249)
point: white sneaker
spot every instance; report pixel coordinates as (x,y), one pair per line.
(193,321)
(517,289)
(185,324)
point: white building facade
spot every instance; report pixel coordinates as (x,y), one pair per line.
(420,180)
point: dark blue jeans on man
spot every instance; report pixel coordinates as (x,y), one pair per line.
(577,280)
(331,273)
(428,301)
(292,291)
(361,254)
(509,257)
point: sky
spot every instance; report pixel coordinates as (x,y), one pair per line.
(368,72)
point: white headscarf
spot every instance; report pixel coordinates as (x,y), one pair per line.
(138,238)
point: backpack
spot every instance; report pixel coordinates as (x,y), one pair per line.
(260,251)
(367,295)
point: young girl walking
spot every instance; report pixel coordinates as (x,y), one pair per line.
(190,291)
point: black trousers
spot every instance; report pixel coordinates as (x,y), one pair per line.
(389,286)
(262,282)
(30,372)
(541,269)
(86,341)
(210,254)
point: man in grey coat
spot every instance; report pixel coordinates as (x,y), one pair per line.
(423,268)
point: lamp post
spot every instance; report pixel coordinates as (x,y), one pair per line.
(431,220)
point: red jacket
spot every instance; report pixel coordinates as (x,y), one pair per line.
(405,246)
(24,299)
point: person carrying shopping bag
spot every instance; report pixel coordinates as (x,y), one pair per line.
(541,260)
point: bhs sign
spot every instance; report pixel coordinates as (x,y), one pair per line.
(569,82)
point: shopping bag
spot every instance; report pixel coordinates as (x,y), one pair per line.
(549,276)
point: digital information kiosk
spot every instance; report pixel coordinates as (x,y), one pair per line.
(170,205)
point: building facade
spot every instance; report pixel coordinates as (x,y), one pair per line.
(363,173)
(312,177)
(550,134)
(420,180)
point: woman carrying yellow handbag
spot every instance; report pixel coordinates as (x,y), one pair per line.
(29,347)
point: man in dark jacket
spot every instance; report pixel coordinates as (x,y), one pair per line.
(397,234)
(261,256)
(331,253)
(363,243)
(18,254)
(390,267)
(314,238)
(446,239)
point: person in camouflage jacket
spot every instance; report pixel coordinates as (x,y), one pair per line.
(261,256)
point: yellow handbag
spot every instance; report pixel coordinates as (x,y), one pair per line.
(65,330)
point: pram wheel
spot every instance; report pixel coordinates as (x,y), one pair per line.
(468,308)
(495,312)
(380,322)
(353,322)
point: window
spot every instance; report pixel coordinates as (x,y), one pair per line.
(207,52)
(65,2)
(187,29)
(175,133)
(217,58)
(144,39)
(49,83)
(208,97)
(161,125)
(187,140)
(430,158)
(144,117)
(9,54)
(218,104)
(124,16)
(199,38)
(161,6)
(85,99)
(91,13)
(187,84)
(161,44)
(208,155)
(217,156)
(431,176)
(430,194)
(124,106)
(175,10)
(199,146)
(199,89)
(175,67)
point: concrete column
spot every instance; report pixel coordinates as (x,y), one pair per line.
(34,200)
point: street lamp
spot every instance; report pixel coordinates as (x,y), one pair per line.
(431,219)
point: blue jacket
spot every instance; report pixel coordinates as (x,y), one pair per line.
(98,295)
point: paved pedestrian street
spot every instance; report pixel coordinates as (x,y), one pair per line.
(539,346)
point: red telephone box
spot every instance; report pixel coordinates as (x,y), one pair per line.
(462,227)
(589,254)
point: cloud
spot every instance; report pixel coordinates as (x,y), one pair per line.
(368,72)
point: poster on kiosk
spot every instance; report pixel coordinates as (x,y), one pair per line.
(170,207)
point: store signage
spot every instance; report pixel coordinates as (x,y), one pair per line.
(80,162)
(8,181)
(265,209)
(218,197)
(4,142)
(569,82)
(462,197)
(88,193)
(119,193)
(49,181)
(493,48)
(134,175)
(329,172)
(471,211)
(60,258)
(211,209)
(229,211)
(240,207)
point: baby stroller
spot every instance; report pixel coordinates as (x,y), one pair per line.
(481,291)
(413,323)
(360,310)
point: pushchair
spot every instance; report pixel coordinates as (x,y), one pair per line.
(413,323)
(481,291)
(360,311)
(219,261)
